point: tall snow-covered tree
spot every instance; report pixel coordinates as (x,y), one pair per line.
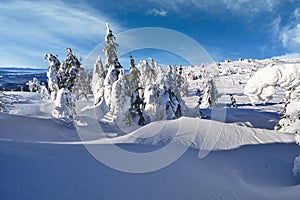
(53,74)
(112,63)
(110,48)
(97,84)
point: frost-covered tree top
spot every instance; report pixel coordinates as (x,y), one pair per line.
(110,48)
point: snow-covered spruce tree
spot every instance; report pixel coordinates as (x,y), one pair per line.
(209,97)
(67,81)
(110,48)
(52,74)
(97,84)
(148,75)
(112,63)
(7,100)
(120,103)
(82,84)
(155,108)
(132,80)
(64,105)
(136,110)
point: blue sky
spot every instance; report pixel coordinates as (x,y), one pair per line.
(225,28)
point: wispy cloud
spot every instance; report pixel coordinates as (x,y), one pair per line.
(28,29)
(157,12)
(243,7)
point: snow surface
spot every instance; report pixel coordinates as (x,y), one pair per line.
(236,155)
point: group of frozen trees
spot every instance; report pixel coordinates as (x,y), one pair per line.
(67,82)
(145,94)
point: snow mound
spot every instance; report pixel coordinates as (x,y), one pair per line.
(202,134)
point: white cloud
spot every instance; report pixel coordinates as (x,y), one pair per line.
(156,12)
(28,29)
(297,13)
(243,7)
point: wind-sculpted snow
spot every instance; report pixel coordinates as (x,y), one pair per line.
(262,86)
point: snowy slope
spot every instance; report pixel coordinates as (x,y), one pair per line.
(236,155)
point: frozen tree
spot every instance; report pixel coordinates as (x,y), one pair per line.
(155,108)
(110,48)
(290,121)
(120,103)
(34,85)
(233,101)
(97,84)
(43,91)
(70,70)
(132,80)
(161,103)
(64,105)
(7,100)
(136,110)
(148,75)
(82,84)
(52,74)
(209,97)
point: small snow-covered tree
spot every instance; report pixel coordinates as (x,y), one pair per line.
(154,106)
(33,85)
(52,74)
(233,101)
(136,110)
(64,105)
(97,84)
(209,97)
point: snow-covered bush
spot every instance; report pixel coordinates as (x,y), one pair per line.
(262,86)
(296,168)
(6,101)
